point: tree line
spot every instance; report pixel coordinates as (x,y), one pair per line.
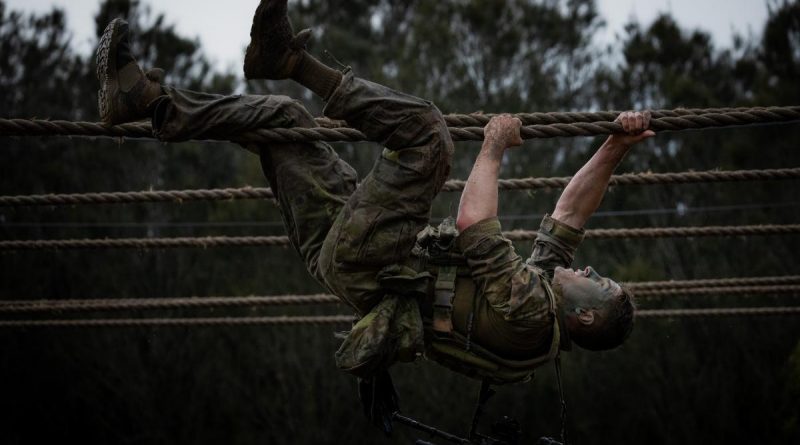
(675,381)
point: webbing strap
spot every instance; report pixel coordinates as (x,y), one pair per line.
(443,299)
(563,401)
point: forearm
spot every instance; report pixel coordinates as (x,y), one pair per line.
(585,191)
(479,199)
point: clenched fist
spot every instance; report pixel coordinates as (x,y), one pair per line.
(503,131)
(635,124)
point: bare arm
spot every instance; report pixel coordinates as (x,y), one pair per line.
(585,191)
(479,200)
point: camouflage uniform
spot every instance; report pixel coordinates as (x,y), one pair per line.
(511,316)
(355,239)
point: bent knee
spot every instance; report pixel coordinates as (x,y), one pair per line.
(413,127)
(357,288)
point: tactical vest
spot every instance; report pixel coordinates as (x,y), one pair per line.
(443,343)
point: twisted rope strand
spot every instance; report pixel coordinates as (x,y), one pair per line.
(730,290)
(148,243)
(477,119)
(714,282)
(669,232)
(32,306)
(675,122)
(453,185)
(347,319)
(281,320)
(283,241)
(717,312)
(162,303)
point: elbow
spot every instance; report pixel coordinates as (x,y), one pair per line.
(464,220)
(468,216)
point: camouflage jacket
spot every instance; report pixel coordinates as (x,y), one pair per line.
(500,301)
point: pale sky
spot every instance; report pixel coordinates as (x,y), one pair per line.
(224,30)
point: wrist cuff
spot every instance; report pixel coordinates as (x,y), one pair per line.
(570,236)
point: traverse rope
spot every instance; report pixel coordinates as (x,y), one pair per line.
(730,290)
(163,303)
(230,194)
(106,304)
(717,312)
(281,320)
(715,119)
(347,319)
(715,282)
(283,241)
(477,119)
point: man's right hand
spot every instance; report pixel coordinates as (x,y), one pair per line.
(635,124)
(503,132)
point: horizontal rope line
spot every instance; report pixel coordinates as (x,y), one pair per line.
(730,290)
(713,282)
(560,117)
(671,232)
(282,320)
(163,303)
(644,178)
(282,241)
(724,118)
(717,312)
(16,306)
(478,119)
(453,185)
(346,319)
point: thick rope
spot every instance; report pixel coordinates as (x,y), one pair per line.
(670,232)
(230,194)
(346,319)
(149,243)
(645,178)
(724,118)
(281,320)
(477,120)
(162,303)
(714,282)
(32,306)
(283,241)
(717,312)
(729,290)
(481,119)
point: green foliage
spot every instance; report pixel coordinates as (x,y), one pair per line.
(678,381)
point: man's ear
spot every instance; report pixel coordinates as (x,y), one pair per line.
(585,317)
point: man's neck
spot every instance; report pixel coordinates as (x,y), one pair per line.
(561,311)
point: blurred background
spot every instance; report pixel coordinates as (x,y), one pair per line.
(676,381)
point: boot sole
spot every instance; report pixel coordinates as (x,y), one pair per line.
(259,61)
(106,71)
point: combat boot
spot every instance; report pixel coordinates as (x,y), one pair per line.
(274,50)
(125,90)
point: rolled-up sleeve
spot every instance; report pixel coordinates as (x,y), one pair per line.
(499,273)
(555,245)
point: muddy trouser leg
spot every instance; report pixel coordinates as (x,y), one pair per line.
(310,181)
(378,225)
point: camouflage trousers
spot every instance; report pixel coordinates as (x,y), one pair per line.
(345,232)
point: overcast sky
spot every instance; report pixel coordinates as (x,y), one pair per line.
(224,31)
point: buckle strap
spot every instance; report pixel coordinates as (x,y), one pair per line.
(444,292)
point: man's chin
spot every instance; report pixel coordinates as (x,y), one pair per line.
(559,273)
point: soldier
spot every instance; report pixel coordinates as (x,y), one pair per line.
(437,293)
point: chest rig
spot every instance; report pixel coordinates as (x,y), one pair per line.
(436,253)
